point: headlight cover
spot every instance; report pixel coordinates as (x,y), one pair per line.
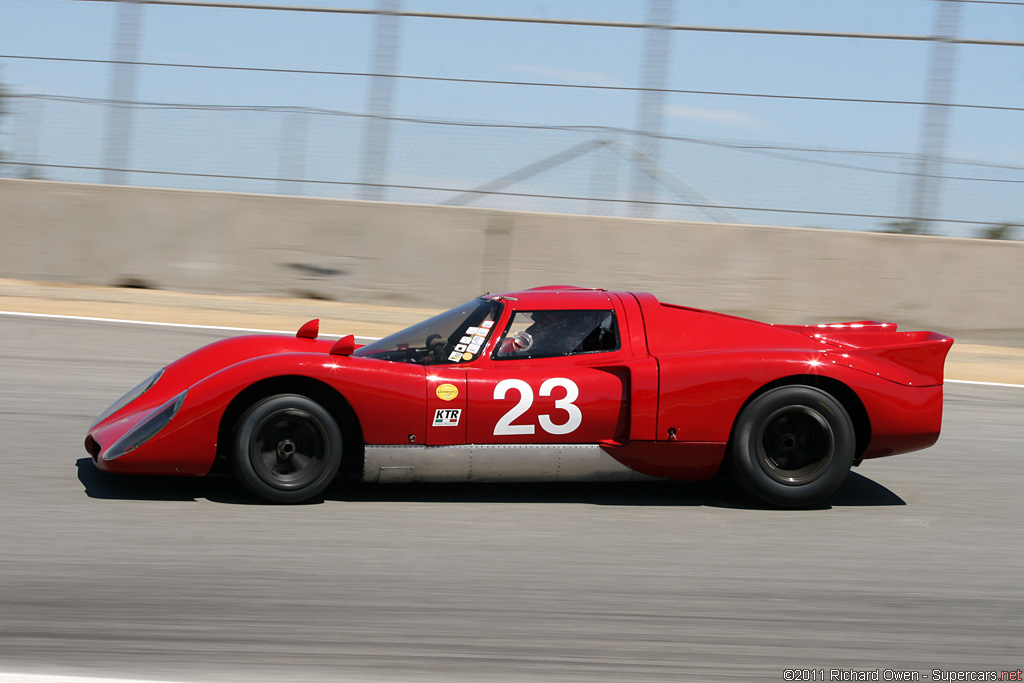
(143,386)
(147,429)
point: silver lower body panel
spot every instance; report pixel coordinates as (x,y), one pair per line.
(484,463)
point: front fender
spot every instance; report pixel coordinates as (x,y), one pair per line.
(388,399)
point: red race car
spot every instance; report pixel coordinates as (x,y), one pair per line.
(552,383)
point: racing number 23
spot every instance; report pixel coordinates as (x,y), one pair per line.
(572,392)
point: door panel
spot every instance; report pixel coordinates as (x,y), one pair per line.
(546,401)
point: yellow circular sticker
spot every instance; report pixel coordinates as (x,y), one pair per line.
(467,356)
(447,392)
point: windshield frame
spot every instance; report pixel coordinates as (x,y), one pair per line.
(457,336)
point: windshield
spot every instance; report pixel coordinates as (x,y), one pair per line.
(455,336)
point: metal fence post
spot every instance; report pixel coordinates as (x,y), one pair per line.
(941,71)
(377,129)
(28,122)
(122,92)
(292,160)
(604,172)
(652,99)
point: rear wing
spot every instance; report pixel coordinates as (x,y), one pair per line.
(914,358)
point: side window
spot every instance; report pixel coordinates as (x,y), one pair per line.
(543,334)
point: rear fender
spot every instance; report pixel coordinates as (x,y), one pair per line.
(701,394)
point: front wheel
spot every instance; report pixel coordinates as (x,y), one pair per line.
(792,446)
(287,449)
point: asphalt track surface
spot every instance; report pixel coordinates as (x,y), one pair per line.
(917,564)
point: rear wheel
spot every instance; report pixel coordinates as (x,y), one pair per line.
(287,449)
(792,446)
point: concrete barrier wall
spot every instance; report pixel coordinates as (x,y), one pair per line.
(434,256)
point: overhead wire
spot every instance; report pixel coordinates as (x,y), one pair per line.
(496,193)
(541,84)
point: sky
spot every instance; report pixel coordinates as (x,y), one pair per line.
(766,160)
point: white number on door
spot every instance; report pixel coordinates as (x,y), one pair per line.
(505,425)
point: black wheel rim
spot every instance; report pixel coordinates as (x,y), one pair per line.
(288,449)
(796,445)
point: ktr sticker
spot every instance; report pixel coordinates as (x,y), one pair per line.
(447,417)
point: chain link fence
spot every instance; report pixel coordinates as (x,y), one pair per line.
(903,115)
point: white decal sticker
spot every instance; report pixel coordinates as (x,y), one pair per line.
(487,324)
(472,330)
(505,425)
(455,356)
(479,340)
(572,392)
(465,340)
(460,347)
(473,348)
(447,417)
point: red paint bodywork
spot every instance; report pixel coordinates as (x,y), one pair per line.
(663,404)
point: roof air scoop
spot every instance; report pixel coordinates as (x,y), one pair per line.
(310,330)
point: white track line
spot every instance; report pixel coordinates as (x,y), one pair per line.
(37,678)
(54,316)
(985,384)
(251,329)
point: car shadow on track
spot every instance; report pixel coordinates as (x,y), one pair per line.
(106,486)
(718,493)
(856,491)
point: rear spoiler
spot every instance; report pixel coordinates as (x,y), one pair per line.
(913,358)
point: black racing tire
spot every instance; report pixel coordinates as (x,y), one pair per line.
(287,449)
(792,446)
